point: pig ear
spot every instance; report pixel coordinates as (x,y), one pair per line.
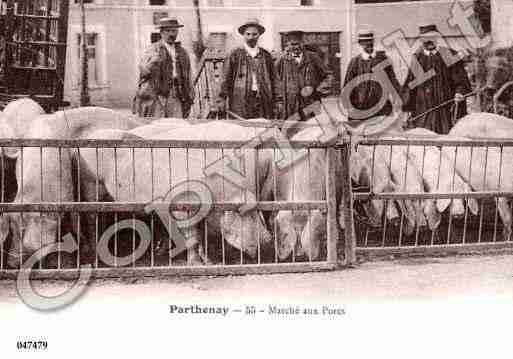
(473,205)
(356,166)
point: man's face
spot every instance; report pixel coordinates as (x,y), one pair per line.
(367,46)
(251,36)
(295,46)
(428,44)
(169,34)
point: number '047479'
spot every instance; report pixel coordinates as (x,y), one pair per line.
(32,345)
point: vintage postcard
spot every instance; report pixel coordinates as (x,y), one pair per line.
(256,177)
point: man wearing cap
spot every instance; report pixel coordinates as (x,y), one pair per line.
(449,82)
(165,88)
(248,83)
(366,89)
(301,77)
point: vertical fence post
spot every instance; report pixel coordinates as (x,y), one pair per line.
(331,199)
(346,207)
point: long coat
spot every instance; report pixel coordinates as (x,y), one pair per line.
(446,82)
(368,93)
(293,76)
(155,80)
(237,82)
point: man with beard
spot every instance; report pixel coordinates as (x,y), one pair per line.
(165,86)
(301,77)
(367,90)
(248,83)
(448,81)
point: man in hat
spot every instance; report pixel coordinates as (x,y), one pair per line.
(165,86)
(369,95)
(248,83)
(448,82)
(301,77)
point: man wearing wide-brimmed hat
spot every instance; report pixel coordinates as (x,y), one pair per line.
(165,87)
(449,82)
(302,77)
(367,89)
(248,84)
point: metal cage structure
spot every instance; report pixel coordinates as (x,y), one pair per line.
(34,37)
(475,218)
(43,200)
(468,175)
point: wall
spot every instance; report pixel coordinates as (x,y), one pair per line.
(502,22)
(126,28)
(407,17)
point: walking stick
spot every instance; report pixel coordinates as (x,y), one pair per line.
(455,113)
(475,92)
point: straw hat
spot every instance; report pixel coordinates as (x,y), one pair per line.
(169,22)
(251,22)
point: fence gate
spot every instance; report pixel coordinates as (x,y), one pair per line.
(33,50)
(122,207)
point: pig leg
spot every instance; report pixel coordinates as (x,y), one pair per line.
(409,213)
(421,219)
(192,237)
(15,255)
(505,213)
(313,234)
(194,258)
(392,214)
(286,233)
(432,215)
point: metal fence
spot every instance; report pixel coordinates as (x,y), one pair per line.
(440,196)
(383,196)
(87,188)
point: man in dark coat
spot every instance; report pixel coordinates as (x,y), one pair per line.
(449,82)
(370,84)
(165,83)
(248,83)
(302,78)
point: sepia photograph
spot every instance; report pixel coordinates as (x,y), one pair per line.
(250,178)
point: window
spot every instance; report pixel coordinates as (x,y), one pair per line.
(217,40)
(92,65)
(158,2)
(307,3)
(85,1)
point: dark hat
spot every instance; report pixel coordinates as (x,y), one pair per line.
(296,34)
(167,22)
(365,33)
(428,30)
(251,22)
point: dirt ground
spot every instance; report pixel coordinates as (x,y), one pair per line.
(403,308)
(401,279)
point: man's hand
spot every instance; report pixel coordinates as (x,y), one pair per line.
(307,91)
(459,97)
